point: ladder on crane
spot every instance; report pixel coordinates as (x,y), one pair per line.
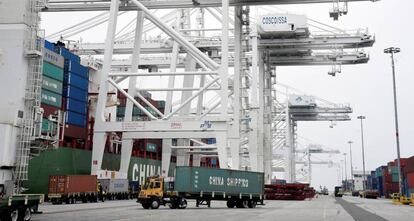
(32,114)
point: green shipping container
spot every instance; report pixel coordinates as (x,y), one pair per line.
(52,85)
(207,180)
(51,98)
(52,71)
(395,178)
(45,125)
(69,161)
(393,170)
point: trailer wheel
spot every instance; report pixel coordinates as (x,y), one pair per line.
(24,214)
(14,215)
(252,204)
(9,216)
(242,204)
(230,204)
(183,204)
(155,204)
(172,205)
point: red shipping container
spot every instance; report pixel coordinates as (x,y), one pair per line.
(48,110)
(75,132)
(409,167)
(391,163)
(387,178)
(69,184)
(410,180)
(403,161)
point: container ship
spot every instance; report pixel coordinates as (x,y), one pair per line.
(69,94)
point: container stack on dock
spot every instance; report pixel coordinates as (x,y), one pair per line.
(385,179)
(52,86)
(289,191)
(409,176)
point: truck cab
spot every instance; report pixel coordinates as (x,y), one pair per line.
(156,191)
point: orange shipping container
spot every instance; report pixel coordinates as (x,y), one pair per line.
(69,184)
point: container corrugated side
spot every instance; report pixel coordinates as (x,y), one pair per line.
(231,182)
(76,68)
(45,125)
(115,185)
(69,55)
(52,85)
(52,71)
(51,98)
(75,119)
(68,184)
(75,93)
(76,106)
(76,81)
(49,45)
(49,110)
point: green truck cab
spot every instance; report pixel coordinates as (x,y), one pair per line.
(240,189)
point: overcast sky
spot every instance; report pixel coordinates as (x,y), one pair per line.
(367,87)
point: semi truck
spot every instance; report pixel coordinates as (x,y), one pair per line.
(240,189)
(338,191)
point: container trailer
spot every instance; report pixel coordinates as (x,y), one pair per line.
(241,189)
(115,188)
(73,188)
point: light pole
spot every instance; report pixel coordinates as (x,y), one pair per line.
(363,150)
(352,168)
(393,51)
(346,173)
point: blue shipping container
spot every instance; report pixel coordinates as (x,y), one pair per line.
(76,68)
(76,119)
(76,106)
(134,185)
(49,45)
(72,79)
(380,186)
(69,55)
(75,93)
(211,140)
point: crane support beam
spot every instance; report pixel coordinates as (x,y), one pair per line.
(103,5)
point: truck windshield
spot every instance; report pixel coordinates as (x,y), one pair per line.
(145,186)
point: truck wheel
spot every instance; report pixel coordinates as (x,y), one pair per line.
(155,204)
(230,204)
(252,204)
(24,214)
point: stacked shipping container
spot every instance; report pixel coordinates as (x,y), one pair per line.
(65,87)
(409,175)
(52,84)
(145,148)
(386,181)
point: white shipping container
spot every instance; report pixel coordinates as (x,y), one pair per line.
(115,185)
(280,24)
(301,101)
